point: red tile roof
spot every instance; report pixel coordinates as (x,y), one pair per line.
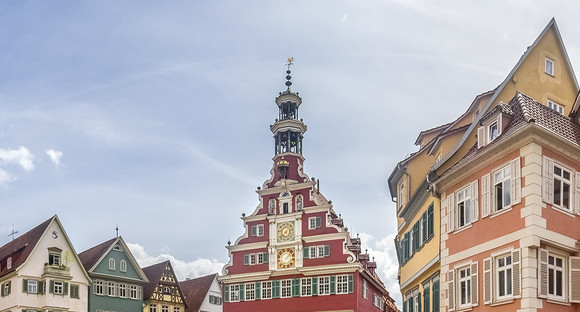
(90,256)
(20,248)
(153,273)
(195,290)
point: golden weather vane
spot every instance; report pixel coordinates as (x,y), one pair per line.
(290,60)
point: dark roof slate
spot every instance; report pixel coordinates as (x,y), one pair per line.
(153,273)
(20,248)
(195,290)
(90,256)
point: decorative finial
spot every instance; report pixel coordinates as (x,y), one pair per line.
(229,242)
(117,229)
(288,77)
(13,233)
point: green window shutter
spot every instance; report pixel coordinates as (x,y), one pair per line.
(242,293)
(2,290)
(430,221)
(419,302)
(276,289)
(411,305)
(227,293)
(405,306)
(424,227)
(426,301)
(306,252)
(333,284)
(258,290)
(51,290)
(315,286)
(266,257)
(74,289)
(25,286)
(436,296)
(326,250)
(296,287)
(65,289)
(318,222)
(246,259)
(41,287)
(350,283)
(9,288)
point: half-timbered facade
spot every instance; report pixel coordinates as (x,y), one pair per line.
(296,254)
(162,293)
(117,280)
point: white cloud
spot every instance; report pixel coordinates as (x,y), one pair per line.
(5,177)
(183,269)
(55,156)
(22,156)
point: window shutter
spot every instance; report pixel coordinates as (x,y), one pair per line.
(444,209)
(326,250)
(548,180)
(315,286)
(258,290)
(451,288)
(306,252)
(296,287)
(543,278)
(577,193)
(51,287)
(332,284)
(65,288)
(480,137)
(405,306)
(516,181)
(242,292)
(426,299)
(266,257)
(516,273)
(41,287)
(246,259)
(499,125)
(2,290)
(430,221)
(487,283)
(227,293)
(474,284)
(318,222)
(451,212)
(9,289)
(424,228)
(574,280)
(253,230)
(436,296)
(485,195)
(474,201)
(350,283)
(25,286)
(276,289)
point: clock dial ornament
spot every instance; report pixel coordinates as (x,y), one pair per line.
(285,232)
(286,258)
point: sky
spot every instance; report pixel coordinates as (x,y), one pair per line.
(154,116)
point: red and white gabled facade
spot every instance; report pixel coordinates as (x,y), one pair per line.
(296,255)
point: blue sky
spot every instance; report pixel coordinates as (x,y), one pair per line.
(155,115)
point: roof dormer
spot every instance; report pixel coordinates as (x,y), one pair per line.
(493,124)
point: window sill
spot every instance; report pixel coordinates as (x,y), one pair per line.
(502,302)
(463,228)
(564,211)
(470,308)
(501,212)
(555,301)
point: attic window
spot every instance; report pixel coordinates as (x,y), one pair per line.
(557,107)
(493,131)
(117,248)
(549,67)
(490,130)
(9,263)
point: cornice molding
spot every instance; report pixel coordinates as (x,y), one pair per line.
(249,246)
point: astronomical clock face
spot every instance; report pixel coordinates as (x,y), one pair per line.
(286,258)
(285,232)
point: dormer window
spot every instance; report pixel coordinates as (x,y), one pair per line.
(549,67)
(557,107)
(491,129)
(9,263)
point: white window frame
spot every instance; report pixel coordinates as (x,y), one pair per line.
(323,285)
(267,290)
(549,66)
(164,308)
(320,251)
(123,266)
(135,292)
(112,264)
(504,266)
(555,268)
(313,222)
(54,259)
(111,289)
(286,288)
(250,291)
(252,259)
(563,181)
(32,287)
(464,283)
(491,134)
(342,284)
(152,307)
(306,287)
(122,290)
(502,180)
(235,293)
(98,288)
(463,196)
(176,309)
(365,288)
(258,230)
(556,107)
(58,288)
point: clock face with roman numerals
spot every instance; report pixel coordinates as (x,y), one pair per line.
(285,232)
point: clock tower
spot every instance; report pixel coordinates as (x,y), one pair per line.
(296,254)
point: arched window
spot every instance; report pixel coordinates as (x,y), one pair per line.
(123,266)
(111,264)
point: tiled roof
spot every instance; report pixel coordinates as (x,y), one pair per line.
(153,273)
(90,256)
(20,248)
(195,290)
